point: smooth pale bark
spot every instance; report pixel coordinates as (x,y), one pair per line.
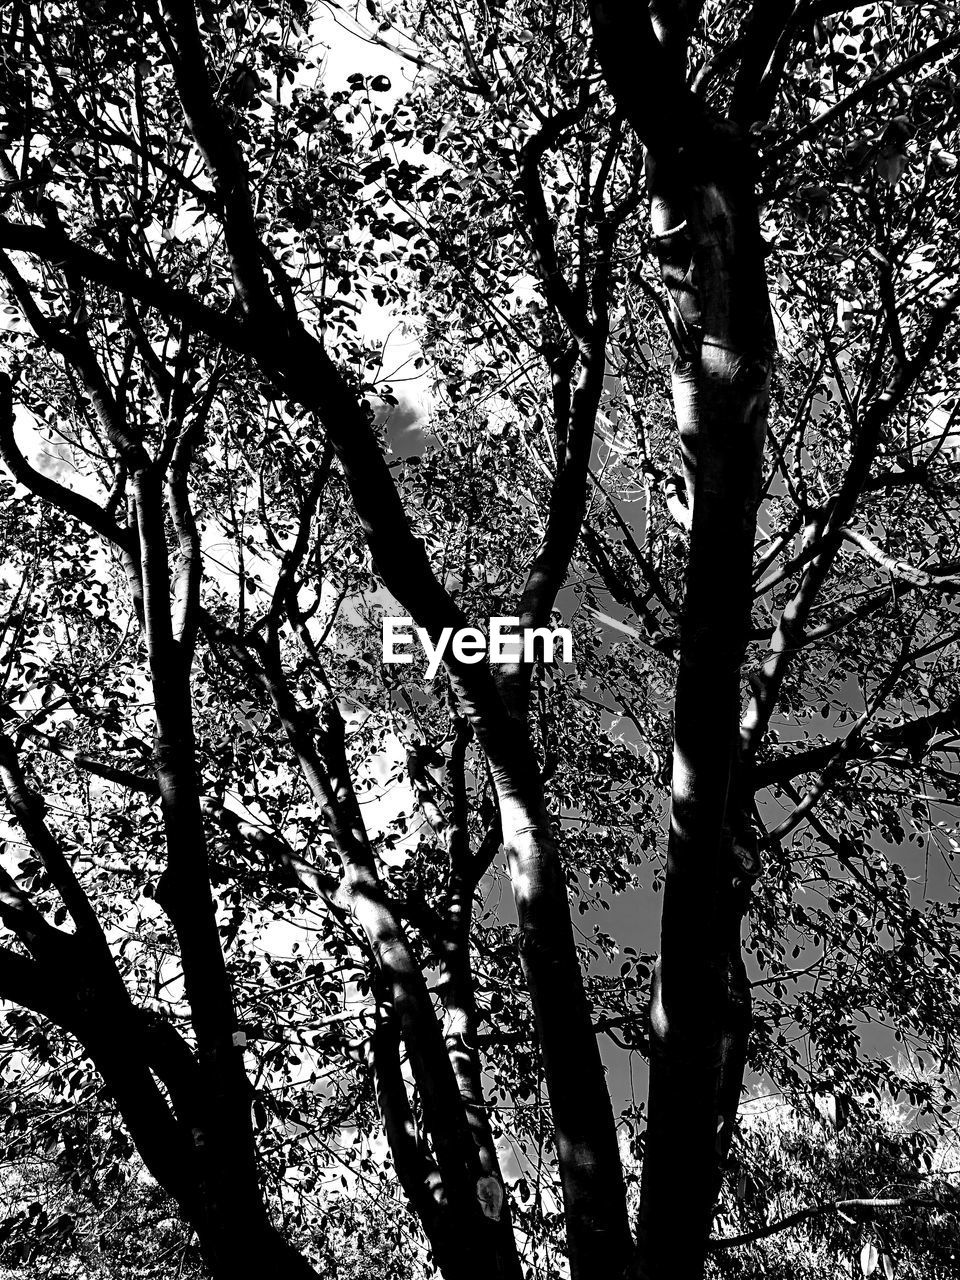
(705,222)
(420,1178)
(416,1171)
(457,992)
(598,1233)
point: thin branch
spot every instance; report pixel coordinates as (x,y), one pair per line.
(946,580)
(73,504)
(28,809)
(868,89)
(53,246)
(557,290)
(829,1206)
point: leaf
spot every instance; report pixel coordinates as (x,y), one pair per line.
(945,160)
(380,84)
(891,166)
(869,1257)
(887,1267)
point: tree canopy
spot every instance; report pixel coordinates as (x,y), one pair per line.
(637,322)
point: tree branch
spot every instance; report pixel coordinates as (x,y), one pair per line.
(789,634)
(73,504)
(23,982)
(868,89)
(643,57)
(941,579)
(222,157)
(829,1206)
(109,772)
(323,760)
(762,32)
(558,293)
(28,809)
(18,914)
(53,246)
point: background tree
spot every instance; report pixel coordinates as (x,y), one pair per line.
(197,226)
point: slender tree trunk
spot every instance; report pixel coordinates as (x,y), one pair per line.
(460,1035)
(598,1233)
(465,1242)
(453,1236)
(229,1214)
(705,221)
(178,1139)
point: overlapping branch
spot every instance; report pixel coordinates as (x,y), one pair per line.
(828,1207)
(789,634)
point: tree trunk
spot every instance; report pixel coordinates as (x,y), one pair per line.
(181,1141)
(460,1035)
(229,1213)
(445,1196)
(234,1248)
(706,224)
(598,1232)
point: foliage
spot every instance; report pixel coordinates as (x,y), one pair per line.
(410,203)
(788,1162)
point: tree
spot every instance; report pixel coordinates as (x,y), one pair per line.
(702,182)
(197,221)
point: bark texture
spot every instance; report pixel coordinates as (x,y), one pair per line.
(598,1234)
(704,219)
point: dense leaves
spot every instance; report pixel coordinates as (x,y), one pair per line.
(453,206)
